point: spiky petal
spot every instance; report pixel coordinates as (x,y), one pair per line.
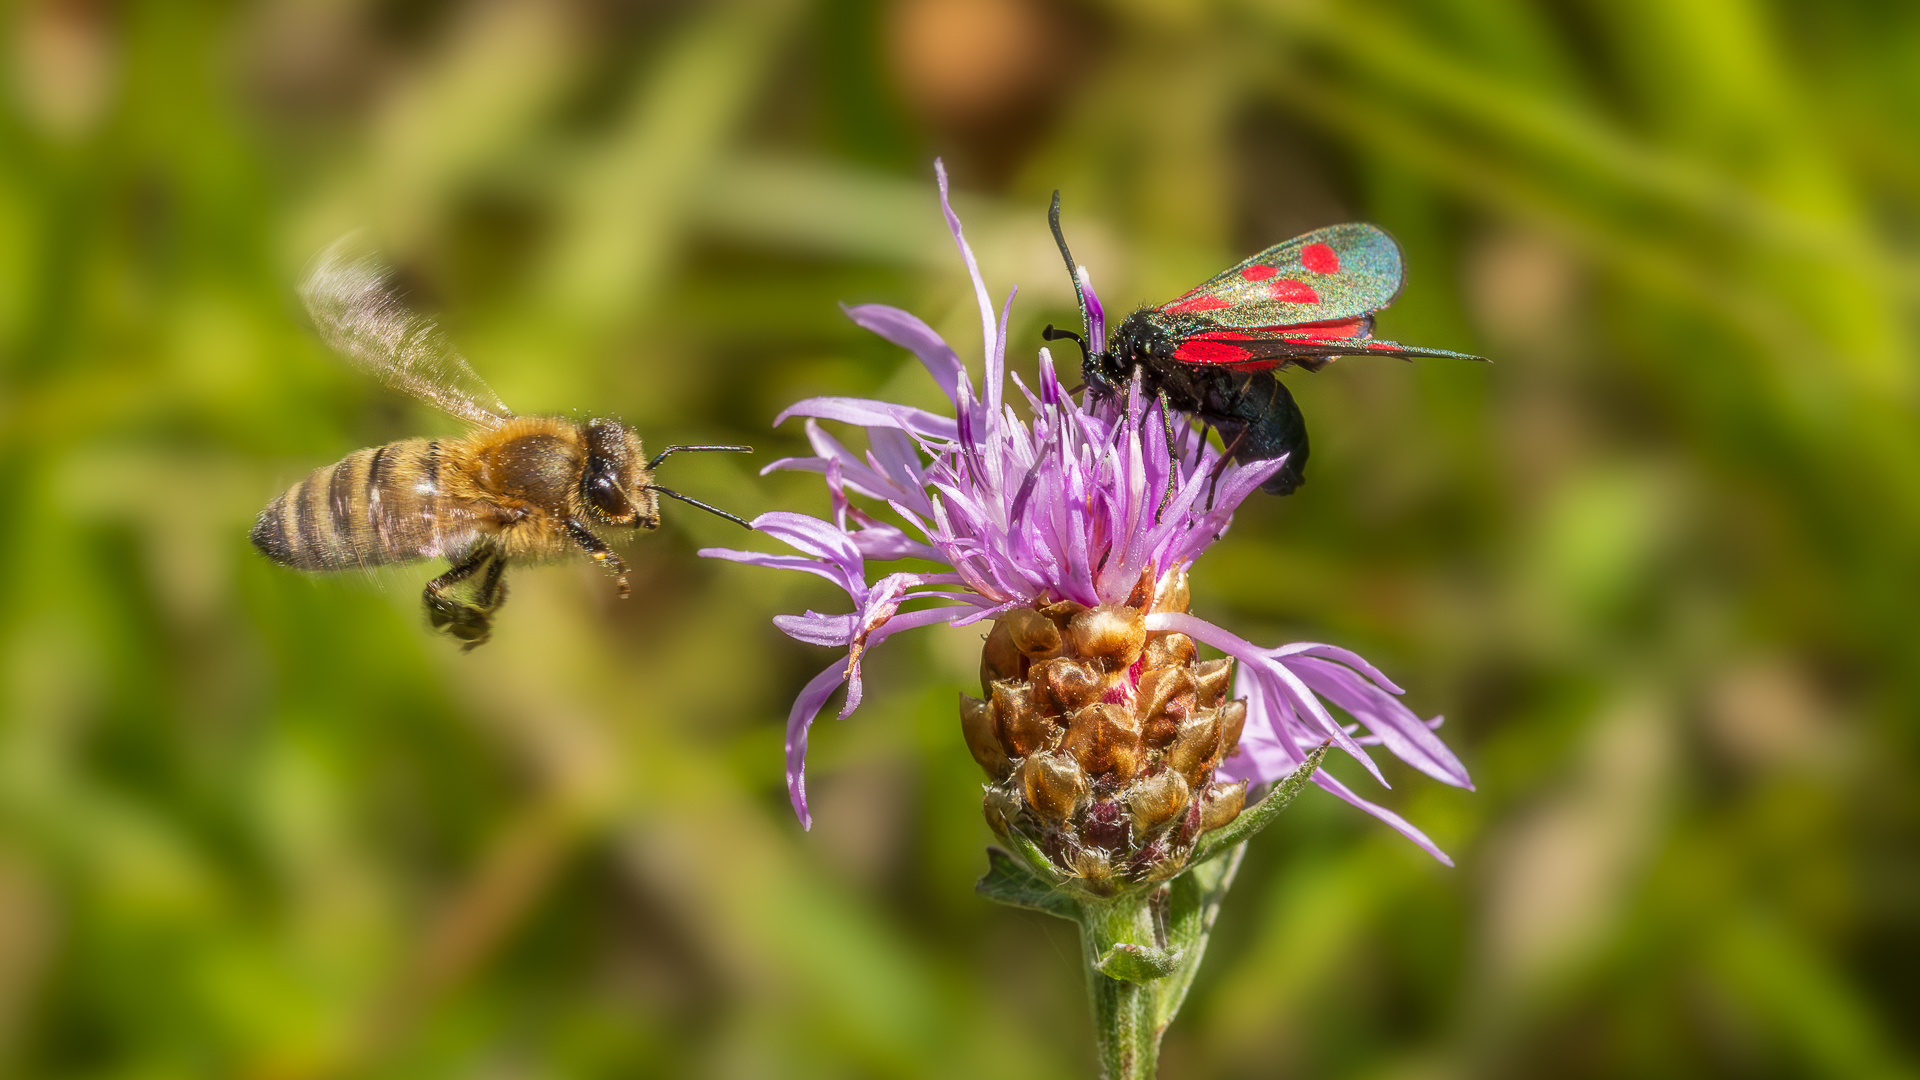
(1068,505)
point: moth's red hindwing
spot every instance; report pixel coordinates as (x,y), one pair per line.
(1207,350)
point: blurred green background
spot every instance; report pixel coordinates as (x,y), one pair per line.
(1657,564)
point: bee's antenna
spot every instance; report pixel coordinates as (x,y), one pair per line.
(742,522)
(662,455)
(1073,272)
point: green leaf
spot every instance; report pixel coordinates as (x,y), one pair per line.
(1260,815)
(1137,963)
(1036,861)
(1009,882)
(1193,901)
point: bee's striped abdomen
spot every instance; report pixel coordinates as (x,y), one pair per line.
(379,505)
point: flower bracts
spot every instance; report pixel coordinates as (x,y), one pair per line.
(1101,738)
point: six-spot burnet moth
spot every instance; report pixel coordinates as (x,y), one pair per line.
(1213,352)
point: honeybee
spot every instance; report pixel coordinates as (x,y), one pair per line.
(514,489)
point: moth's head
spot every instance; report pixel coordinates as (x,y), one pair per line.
(1140,338)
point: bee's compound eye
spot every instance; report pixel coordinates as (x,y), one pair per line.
(603,490)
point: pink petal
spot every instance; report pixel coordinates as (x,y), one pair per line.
(810,535)
(1399,730)
(1345,656)
(1275,677)
(788,562)
(873,414)
(883,543)
(1405,827)
(907,331)
(987,334)
(817,629)
(805,707)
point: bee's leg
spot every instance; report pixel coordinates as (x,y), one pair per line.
(600,552)
(491,594)
(462,601)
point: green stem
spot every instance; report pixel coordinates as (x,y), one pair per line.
(1142,947)
(1126,1016)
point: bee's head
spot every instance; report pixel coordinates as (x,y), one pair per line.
(616,482)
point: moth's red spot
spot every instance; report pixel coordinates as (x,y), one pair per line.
(1224,335)
(1350,329)
(1198,351)
(1320,259)
(1195,303)
(1258,272)
(1293,291)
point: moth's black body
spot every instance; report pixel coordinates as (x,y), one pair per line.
(1256,416)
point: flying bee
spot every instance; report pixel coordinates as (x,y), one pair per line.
(514,489)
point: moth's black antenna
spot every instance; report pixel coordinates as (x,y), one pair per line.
(1073,271)
(742,522)
(1050,334)
(662,455)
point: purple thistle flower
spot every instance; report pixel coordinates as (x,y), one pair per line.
(1066,505)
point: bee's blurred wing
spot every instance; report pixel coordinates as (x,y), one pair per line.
(349,294)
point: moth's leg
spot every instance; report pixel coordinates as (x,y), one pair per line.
(1274,428)
(1254,394)
(1229,447)
(1223,398)
(598,550)
(1173,457)
(462,601)
(1237,387)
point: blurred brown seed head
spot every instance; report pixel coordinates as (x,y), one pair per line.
(65,65)
(963,61)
